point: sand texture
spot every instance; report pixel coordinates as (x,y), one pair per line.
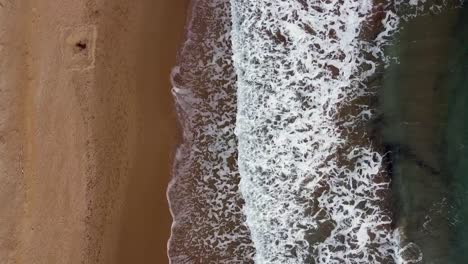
(87,129)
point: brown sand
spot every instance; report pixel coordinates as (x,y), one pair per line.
(146,221)
(86,129)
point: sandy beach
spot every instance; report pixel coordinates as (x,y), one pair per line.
(87,129)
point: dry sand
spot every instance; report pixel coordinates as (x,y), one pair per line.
(87,129)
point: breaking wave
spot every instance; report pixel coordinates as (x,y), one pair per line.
(314,184)
(283,120)
(313,174)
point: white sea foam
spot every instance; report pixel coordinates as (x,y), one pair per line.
(314,184)
(208,224)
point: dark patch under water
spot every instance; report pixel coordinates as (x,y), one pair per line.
(424,125)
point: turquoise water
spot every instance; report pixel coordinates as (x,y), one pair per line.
(424,113)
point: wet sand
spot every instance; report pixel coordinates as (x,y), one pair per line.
(147,221)
(87,129)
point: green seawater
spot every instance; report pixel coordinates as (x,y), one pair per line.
(424,125)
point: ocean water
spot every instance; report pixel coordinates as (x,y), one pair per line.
(314,132)
(424,107)
(208,224)
(314,184)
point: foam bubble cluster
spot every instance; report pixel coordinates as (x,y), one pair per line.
(314,184)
